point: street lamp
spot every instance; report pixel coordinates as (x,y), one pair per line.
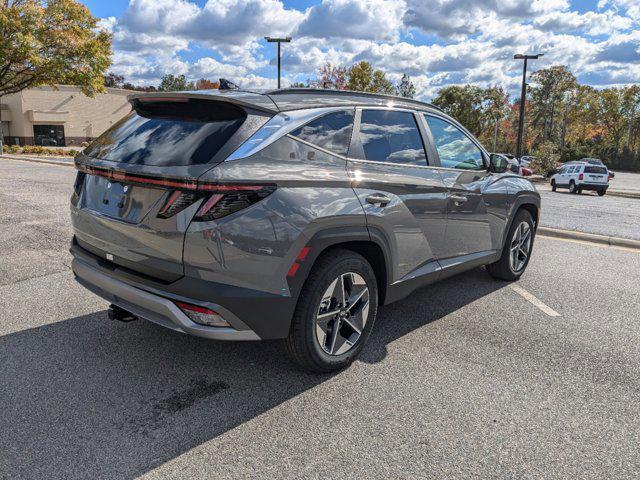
(278,40)
(523,96)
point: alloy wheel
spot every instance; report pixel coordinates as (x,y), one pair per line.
(342,314)
(520,247)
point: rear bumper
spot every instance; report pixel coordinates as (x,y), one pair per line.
(593,186)
(156,308)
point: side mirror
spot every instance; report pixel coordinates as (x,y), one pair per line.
(497,163)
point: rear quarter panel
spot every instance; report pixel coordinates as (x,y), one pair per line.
(255,247)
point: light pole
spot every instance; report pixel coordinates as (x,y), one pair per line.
(278,40)
(523,97)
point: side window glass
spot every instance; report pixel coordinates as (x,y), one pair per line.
(391,136)
(331,131)
(455,149)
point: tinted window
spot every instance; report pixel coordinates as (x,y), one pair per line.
(593,169)
(169,133)
(390,136)
(331,132)
(455,149)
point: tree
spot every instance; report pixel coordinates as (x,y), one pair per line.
(330,76)
(464,103)
(49,42)
(204,84)
(406,88)
(172,83)
(363,78)
(550,87)
(113,80)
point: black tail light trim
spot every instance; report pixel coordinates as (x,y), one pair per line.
(219,201)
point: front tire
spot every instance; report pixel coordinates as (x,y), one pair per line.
(516,251)
(335,312)
(553,185)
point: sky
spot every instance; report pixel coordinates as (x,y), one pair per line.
(435,42)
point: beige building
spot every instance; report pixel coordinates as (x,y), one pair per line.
(61,116)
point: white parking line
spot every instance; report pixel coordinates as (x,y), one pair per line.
(534,300)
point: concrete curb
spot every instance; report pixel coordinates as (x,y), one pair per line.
(50,161)
(589,237)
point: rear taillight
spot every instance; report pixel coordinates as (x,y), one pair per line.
(218,200)
(202,315)
(581,176)
(178,201)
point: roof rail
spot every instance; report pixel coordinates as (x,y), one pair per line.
(327,91)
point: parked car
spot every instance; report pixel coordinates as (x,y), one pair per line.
(291,214)
(526,171)
(525,160)
(579,176)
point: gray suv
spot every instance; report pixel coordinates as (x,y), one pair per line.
(290,214)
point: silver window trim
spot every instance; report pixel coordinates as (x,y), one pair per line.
(277,127)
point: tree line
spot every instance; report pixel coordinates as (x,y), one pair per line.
(563,118)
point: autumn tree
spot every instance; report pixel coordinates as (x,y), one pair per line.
(331,76)
(204,84)
(49,42)
(363,78)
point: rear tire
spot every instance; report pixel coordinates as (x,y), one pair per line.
(504,269)
(572,187)
(315,335)
(601,193)
(553,185)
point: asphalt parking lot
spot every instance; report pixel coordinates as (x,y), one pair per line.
(608,215)
(467,378)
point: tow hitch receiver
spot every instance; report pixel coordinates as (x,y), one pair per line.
(120,314)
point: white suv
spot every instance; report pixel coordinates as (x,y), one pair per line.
(579,176)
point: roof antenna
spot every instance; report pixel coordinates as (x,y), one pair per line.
(227,85)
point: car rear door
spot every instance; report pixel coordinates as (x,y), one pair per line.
(476,199)
(137,187)
(403,197)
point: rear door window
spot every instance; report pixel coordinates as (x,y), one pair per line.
(391,136)
(331,131)
(179,132)
(455,148)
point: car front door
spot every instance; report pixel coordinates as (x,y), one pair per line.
(477,201)
(404,199)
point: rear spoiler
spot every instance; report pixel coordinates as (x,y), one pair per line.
(242,98)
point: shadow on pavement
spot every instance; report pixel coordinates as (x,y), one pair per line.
(90,398)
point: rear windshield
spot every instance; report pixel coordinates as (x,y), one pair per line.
(169,133)
(592,169)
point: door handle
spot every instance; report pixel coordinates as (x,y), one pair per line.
(458,199)
(378,199)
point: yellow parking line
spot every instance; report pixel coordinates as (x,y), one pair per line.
(535,301)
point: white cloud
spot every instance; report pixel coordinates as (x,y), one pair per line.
(467,40)
(355,19)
